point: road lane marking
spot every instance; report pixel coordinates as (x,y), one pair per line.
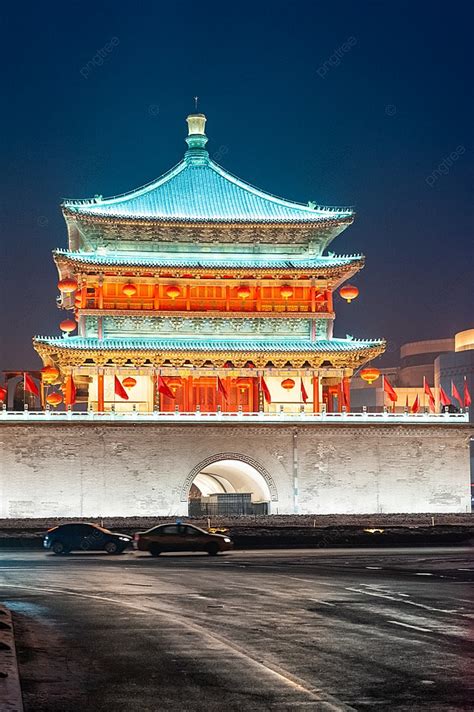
(324,603)
(415,627)
(330,703)
(451,611)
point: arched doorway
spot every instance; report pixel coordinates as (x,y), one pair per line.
(227,485)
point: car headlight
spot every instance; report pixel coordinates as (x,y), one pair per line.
(227,539)
(123,538)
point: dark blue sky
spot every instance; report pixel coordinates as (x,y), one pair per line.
(360,103)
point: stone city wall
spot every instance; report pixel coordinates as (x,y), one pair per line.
(127,469)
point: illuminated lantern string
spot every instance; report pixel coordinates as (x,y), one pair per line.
(288,384)
(369,374)
(349,292)
(129,290)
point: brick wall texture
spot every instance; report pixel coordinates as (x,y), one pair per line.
(127,470)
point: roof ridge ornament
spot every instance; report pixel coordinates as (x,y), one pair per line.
(196,139)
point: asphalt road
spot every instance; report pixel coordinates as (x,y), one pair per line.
(256,630)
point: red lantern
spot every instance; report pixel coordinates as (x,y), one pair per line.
(349,292)
(68,285)
(68,325)
(129,382)
(288,384)
(369,374)
(49,374)
(243,292)
(54,399)
(129,290)
(173,291)
(286,291)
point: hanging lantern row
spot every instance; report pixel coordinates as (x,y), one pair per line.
(369,374)
(288,384)
(349,292)
(69,286)
(49,374)
(68,325)
(54,399)
(129,382)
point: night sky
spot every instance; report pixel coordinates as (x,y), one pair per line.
(359,103)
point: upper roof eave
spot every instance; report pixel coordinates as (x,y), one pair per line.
(202,194)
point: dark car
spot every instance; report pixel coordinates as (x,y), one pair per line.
(180,537)
(84,537)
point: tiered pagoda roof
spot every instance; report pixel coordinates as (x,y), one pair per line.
(201,202)
(159,350)
(119,262)
(202,192)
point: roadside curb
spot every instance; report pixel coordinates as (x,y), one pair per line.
(10,689)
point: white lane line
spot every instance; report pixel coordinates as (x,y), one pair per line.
(324,603)
(408,603)
(423,574)
(327,701)
(374,567)
(415,627)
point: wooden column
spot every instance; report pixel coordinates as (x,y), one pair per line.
(330,301)
(188,297)
(346,386)
(156,297)
(190,384)
(227,298)
(255,394)
(258,295)
(100,294)
(100,391)
(313,298)
(315,393)
(339,397)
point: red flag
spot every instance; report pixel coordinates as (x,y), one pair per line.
(443,396)
(304,394)
(164,389)
(221,389)
(467,395)
(119,390)
(430,395)
(389,390)
(416,405)
(3,393)
(29,385)
(265,390)
(70,391)
(455,394)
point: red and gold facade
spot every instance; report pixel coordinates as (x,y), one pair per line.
(210,287)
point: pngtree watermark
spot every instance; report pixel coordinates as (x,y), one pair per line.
(99,57)
(445,166)
(336,57)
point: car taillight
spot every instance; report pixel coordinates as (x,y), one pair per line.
(136,537)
